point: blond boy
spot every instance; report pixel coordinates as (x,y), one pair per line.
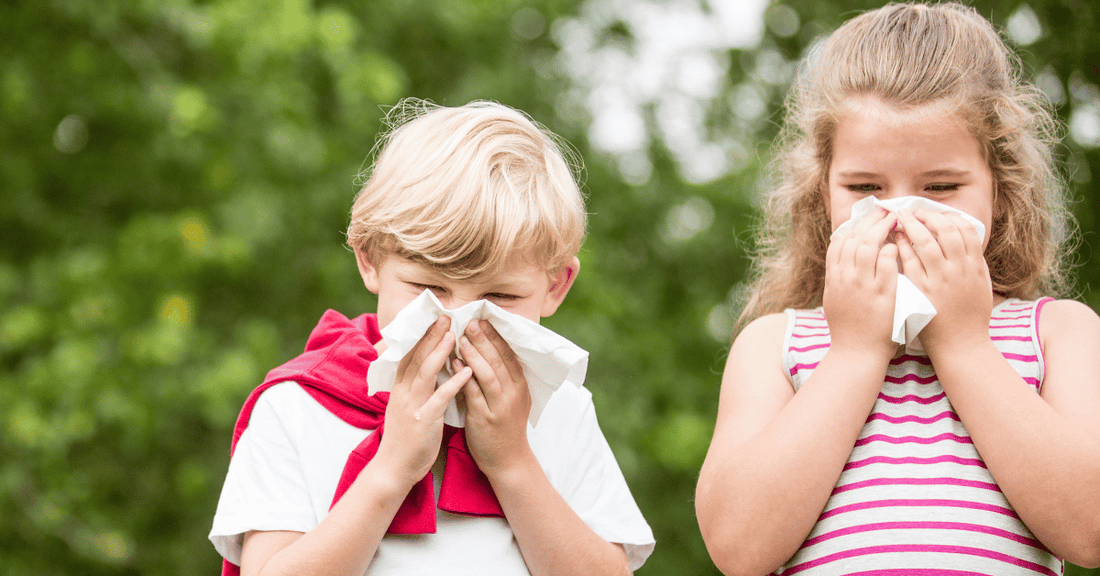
(472,203)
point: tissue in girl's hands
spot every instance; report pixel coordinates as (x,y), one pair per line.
(912,309)
(548,359)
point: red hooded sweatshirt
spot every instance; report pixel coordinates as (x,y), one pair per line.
(333,370)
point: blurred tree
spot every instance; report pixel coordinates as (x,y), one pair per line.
(177,176)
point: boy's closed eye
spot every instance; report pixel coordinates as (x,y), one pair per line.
(435,289)
(493,296)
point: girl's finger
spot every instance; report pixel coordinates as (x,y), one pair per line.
(886,268)
(872,239)
(911,265)
(972,240)
(836,248)
(947,232)
(920,237)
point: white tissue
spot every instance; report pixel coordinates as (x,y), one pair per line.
(912,309)
(548,359)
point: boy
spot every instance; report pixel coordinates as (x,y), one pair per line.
(471,203)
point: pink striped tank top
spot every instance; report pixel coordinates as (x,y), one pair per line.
(915,497)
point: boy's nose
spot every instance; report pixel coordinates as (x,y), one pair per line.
(452,302)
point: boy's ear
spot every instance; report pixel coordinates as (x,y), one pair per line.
(367,270)
(559,287)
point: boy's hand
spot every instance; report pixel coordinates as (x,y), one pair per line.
(498,401)
(860,282)
(942,254)
(414,414)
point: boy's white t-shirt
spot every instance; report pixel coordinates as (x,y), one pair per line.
(287,463)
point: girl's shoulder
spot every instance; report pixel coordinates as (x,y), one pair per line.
(765,330)
(1067,323)
(1060,315)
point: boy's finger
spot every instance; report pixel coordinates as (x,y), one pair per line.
(474,396)
(428,342)
(436,404)
(505,357)
(486,375)
(424,380)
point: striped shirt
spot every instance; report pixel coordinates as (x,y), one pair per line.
(915,497)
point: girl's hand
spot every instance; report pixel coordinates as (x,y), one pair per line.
(861,274)
(498,401)
(943,255)
(414,414)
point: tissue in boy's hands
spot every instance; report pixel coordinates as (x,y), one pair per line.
(548,359)
(912,309)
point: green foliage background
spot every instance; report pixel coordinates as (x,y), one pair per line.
(175,177)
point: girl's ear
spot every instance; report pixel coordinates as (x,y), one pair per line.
(367,270)
(559,287)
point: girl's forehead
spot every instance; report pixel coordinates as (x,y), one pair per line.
(894,115)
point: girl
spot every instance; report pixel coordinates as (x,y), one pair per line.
(835,452)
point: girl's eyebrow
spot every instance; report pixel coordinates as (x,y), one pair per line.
(856,174)
(946,173)
(937,173)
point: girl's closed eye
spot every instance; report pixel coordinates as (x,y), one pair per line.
(866,188)
(943,187)
(502,297)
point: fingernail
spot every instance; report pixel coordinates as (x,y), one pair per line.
(475,327)
(464,342)
(441,321)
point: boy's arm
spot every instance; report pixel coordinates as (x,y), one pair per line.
(345,541)
(551,536)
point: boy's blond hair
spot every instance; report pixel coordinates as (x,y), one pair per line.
(908,56)
(466,189)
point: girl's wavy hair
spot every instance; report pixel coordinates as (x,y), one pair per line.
(913,55)
(465,189)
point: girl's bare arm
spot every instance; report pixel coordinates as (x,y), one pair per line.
(1043,450)
(776,454)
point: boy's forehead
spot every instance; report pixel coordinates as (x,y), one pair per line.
(518,267)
